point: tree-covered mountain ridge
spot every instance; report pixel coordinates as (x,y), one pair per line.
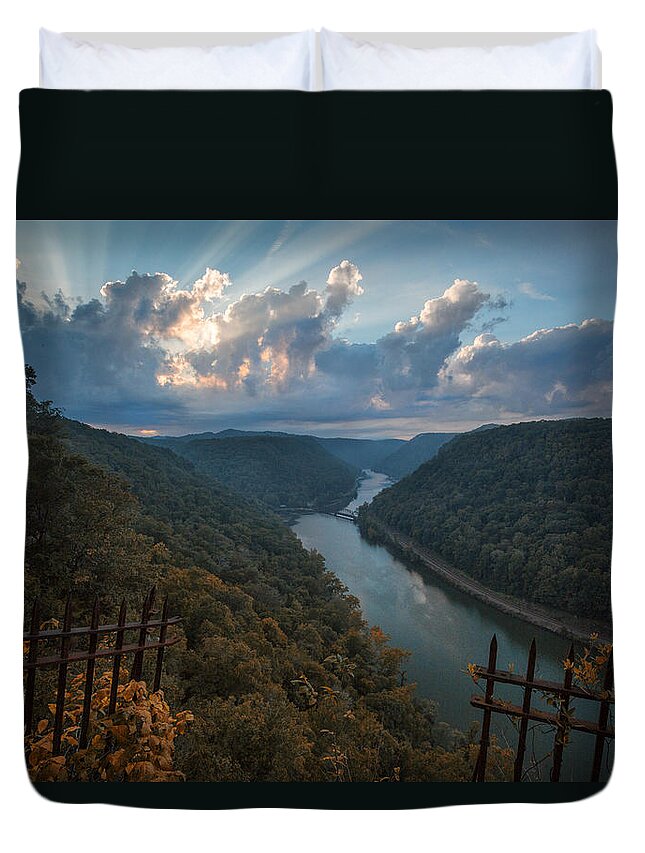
(409,456)
(284,469)
(278,469)
(357,452)
(396,457)
(361,453)
(525,509)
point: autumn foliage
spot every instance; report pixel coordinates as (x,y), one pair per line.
(134,744)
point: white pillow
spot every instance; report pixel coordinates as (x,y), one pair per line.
(566,62)
(286,62)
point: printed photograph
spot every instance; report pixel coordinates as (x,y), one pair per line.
(318,501)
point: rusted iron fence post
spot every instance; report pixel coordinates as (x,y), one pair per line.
(160,651)
(67,656)
(116,666)
(480,767)
(603,719)
(62,675)
(526,708)
(561,732)
(563,721)
(137,666)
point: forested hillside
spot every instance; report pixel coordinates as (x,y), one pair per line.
(525,509)
(407,458)
(279,470)
(357,452)
(286,681)
(361,452)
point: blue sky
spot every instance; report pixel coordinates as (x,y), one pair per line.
(327,356)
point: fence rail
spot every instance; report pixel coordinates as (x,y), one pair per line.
(562,721)
(67,634)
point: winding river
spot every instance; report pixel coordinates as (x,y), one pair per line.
(444,629)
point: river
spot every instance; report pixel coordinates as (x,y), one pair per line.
(444,629)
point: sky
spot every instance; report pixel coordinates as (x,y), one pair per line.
(355,328)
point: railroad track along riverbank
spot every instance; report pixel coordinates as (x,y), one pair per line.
(557,622)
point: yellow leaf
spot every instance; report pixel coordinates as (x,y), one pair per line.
(128,691)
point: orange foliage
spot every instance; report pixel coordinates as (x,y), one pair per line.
(134,744)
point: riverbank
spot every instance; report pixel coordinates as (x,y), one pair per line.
(444,628)
(557,622)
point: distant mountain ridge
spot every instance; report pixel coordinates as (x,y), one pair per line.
(358,452)
(407,458)
(199,436)
(396,457)
(278,469)
(361,452)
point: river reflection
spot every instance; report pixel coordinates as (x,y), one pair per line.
(444,629)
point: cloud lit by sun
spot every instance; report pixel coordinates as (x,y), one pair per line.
(251,343)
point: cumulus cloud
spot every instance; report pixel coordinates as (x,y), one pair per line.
(268,341)
(397,368)
(88,352)
(149,344)
(109,350)
(564,369)
(148,332)
(211,285)
(156,307)
(343,284)
(412,355)
(263,340)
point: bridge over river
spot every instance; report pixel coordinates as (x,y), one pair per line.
(345,514)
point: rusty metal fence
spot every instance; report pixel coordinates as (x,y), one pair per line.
(562,721)
(151,634)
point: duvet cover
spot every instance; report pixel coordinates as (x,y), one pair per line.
(319,413)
